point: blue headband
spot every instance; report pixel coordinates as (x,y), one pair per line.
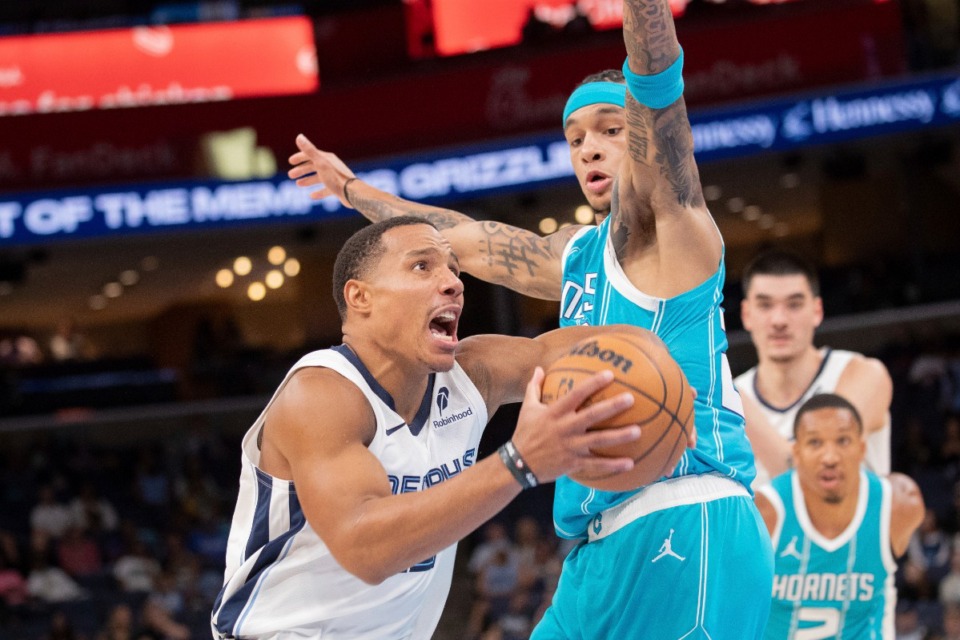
(595,93)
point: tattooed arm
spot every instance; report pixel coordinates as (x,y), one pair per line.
(492,251)
(660,199)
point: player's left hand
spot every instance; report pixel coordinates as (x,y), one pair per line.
(311,166)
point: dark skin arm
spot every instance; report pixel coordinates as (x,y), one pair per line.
(492,251)
(319,428)
(499,365)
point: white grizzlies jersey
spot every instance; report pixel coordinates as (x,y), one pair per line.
(840,588)
(281,582)
(831,368)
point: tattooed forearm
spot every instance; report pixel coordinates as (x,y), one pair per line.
(638,140)
(620,237)
(521,260)
(513,251)
(382,206)
(649,35)
(674,143)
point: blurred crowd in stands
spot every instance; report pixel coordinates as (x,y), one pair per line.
(112,542)
(114,536)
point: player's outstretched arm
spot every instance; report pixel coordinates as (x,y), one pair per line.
(500,365)
(317,433)
(866,383)
(772,450)
(906,512)
(492,251)
(660,197)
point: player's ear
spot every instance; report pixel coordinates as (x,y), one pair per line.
(357,295)
(745,314)
(817,311)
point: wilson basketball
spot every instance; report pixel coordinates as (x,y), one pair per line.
(663,402)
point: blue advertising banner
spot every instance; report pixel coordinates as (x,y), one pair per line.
(498,167)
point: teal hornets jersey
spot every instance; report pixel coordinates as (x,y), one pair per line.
(597,292)
(841,588)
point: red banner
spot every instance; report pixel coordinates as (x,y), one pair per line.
(459,27)
(161,65)
(454,101)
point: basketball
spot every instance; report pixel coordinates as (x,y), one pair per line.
(663,402)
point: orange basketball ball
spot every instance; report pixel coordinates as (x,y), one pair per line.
(663,402)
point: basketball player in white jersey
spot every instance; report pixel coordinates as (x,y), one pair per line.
(782,309)
(837,529)
(361,474)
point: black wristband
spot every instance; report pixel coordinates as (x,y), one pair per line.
(517,465)
(346,196)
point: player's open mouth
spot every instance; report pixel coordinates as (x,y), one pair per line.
(830,479)
(598,182)
(443,326)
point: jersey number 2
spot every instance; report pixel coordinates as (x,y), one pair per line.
(829,620)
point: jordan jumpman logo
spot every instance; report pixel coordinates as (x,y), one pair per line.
(666,549)
(791,549)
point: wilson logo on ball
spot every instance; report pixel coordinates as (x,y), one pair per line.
(592,349)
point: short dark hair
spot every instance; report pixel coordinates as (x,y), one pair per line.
(826,401)
(361,251)
(776,262)
(607,75)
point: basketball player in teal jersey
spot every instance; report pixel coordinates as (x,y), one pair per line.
(655,260)
(837,530)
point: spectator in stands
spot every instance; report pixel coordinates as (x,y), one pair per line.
(951,622)
(158,623)
(527,534)
(69,344)
(516,623)
(10,550)
(495,538)
(929,550)
(539,578)
(92,512)
(166,595)
(152,482)
(136,570)
(49,515)
(183,566)
(61,628)
(52,584)
(119,625)
(495,585)
(950,585)
(208,537)
(13,585)
(78,553)
(196,490)
(907,622)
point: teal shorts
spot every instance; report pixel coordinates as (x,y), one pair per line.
(700,569)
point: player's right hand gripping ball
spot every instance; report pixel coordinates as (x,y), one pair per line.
(663,402)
